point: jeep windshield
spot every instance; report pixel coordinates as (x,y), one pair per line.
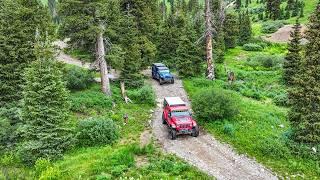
(164,71)
(180,113)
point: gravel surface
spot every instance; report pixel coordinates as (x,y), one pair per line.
(204,152)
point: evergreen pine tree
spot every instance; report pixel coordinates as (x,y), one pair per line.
(231,29)
(45,109)
(304,96)
(293,59)
(19,20)
(245,30)
(273,9)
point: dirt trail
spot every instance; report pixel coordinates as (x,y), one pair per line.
(204,152)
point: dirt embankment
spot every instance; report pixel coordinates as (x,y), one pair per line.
(204,152)
(282,35)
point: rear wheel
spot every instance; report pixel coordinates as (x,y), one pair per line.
(195,131)
(172,81)
(163,120)
(173,134)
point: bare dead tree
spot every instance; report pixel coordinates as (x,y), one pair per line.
(212,26)
(208,35)
(100,59)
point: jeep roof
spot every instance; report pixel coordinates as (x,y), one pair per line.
(159,65)
(174,101)
(163,68)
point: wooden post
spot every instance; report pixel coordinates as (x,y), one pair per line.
(123,92)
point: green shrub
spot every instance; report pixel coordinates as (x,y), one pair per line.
(213,104)
(144,95)
(252,47)
(86,100)
(41,165)
(273,147)
(78,78)
(229,129)
(281,99)
(266,61)
(51,173)
(272,26)
(91,132)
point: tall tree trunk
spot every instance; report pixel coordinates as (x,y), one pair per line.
(210,62)
(100,55)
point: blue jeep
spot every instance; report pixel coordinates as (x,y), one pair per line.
(161,73)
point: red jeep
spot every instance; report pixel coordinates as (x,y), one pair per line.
(178,118)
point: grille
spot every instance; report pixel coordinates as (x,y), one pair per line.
(184,125)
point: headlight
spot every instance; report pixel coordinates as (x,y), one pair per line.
(173,126)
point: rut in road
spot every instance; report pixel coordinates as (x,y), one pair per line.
(205,152)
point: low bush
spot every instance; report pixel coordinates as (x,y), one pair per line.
(86,100)
(41,165)
(281,99)
(272,26)
(266,61)
(92,132)
(214,104)
(78,78)
(229,129)
(144,95)
(252,47)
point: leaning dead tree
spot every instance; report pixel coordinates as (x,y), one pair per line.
(208,36)
(100,60)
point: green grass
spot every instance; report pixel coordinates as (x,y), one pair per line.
(261,128)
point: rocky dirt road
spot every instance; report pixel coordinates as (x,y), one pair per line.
(204,152)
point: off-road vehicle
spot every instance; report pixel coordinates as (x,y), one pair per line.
(162,73)
(178,118)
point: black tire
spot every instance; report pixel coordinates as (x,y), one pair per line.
(163,120)
(195,131)
(160,81)
(172,81)
(173,134)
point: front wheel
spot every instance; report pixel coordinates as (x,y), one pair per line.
(173,134)
(160,81)
(195,131)
(163,120)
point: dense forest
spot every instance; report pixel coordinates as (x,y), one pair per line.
(249,68)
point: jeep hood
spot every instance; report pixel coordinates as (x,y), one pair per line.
(183,119)
(165,75)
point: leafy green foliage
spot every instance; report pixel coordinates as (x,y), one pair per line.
(83,101)
(144,95)
(271,26)
(266,61)
(214,104)
(96,132)
(78,78)
(252,47)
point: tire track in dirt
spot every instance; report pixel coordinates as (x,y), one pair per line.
(204,152)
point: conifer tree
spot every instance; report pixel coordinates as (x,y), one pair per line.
(45,109)
(293,59)
(19,20)
(238,4)
(245,30)
(273,9)
(304,96)
(231,29)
